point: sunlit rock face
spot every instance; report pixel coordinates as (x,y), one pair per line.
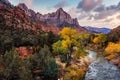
(102,70)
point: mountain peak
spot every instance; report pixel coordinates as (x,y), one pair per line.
(29,12)
(60,10)
(22,6)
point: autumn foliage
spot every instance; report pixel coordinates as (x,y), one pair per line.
(68,41)
(112,50)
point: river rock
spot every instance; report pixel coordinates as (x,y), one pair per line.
(102,70)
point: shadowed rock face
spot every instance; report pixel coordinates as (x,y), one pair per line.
(101,69)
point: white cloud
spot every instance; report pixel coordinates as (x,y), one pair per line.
(110,22)
(97,15)
(73,12)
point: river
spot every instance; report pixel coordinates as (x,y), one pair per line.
(101,69)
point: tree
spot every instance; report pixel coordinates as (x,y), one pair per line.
(14,68)
(96,40)
(10,65)
(44,62)
(69,39)
(84,39)
(41,58)
(74,73)
(6,43)
(112,50)
(58,49)
(25,72)
(51,70)
(100,39)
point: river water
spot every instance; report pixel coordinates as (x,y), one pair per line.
(101,69)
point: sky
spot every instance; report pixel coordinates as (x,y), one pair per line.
(95,13)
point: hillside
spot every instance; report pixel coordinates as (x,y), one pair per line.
(114,34)
(15,17)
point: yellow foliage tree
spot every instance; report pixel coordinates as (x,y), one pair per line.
(100,39)
(69,36)
(74,73)
(69,40)
(96,40)
(112,50)
(68,33)
(58,49)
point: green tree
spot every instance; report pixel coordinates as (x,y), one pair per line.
(42,57)
(84,39)
(25,72)
(6,43)
(10,65)
(58,49)
(100,39)
(51,70)
(45,62)
(69,40)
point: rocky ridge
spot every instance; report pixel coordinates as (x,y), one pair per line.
(14,17)
(60,18)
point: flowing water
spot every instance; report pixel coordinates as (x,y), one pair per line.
(101,69)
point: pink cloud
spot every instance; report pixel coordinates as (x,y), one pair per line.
(88,5)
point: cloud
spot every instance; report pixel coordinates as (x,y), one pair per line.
(61,4)
(118,17)
(97,14)
(100,8)
(73,12)
(84,15)
(88,5)
(109,8)
(94,9)
(104,12)
(28,3)
(109,20)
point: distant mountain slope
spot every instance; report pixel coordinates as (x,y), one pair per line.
(98,30)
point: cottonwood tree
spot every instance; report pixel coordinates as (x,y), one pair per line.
(66,44)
